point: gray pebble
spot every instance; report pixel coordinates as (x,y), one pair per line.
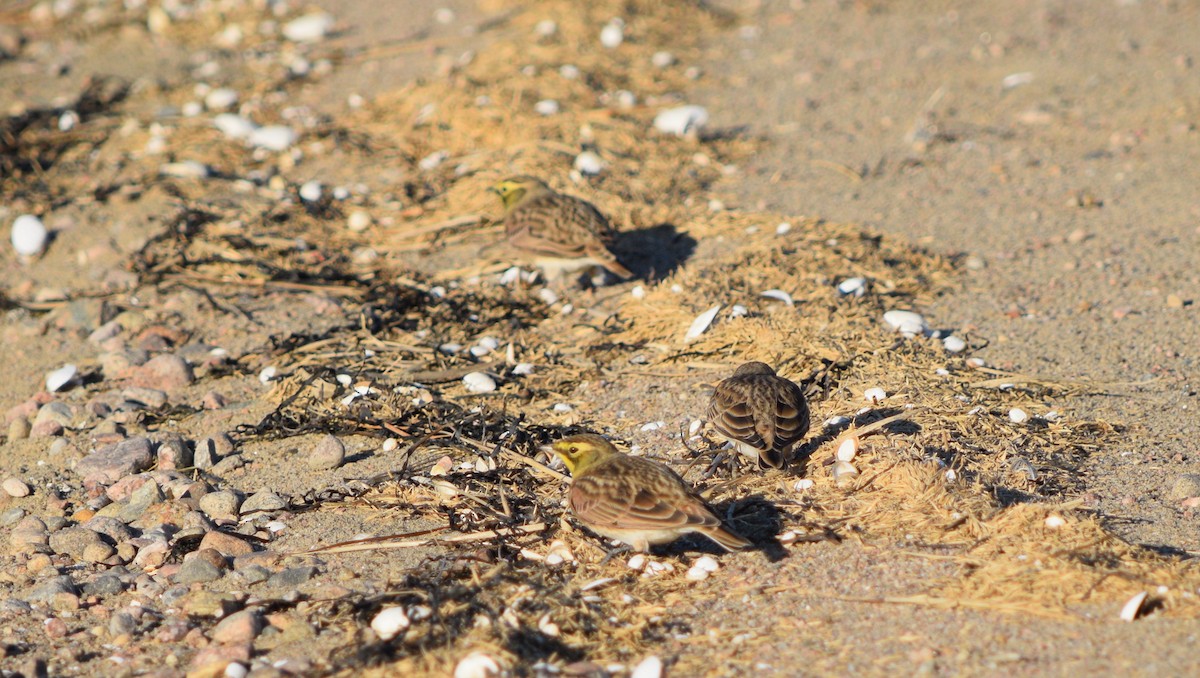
(1186,486)
(104,585)
(252,574)
(222,505)
(292,577)
(121,623)
(228,464)
(174,453)
(142,499)
(263,500)
(11,516)
(45,591)
(212,449)
(328,454)
(74,541)
(148,397)
(109,463)
(55,523)
(112,528)
(198,571)
(54,411)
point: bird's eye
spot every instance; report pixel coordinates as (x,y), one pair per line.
(574,450)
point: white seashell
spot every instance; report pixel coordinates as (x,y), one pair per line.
(803,484)
(523,369)
(589,164)
(852,287)
(61,377)
(220,99)
(662,59)
(491,343)
(954,344)
(554,559)
(562,407)
(700,324)
(707,563)
(390,445)
(442,467)
(844,473)
(976,362)
(569,71)
(905,322)
(875,394)
(613,34)
(650,667)
(344,379)
(432,160)
(783,228)
(546,107)
(276,526)
(29,235)
(510,276)
(1055,521)
(310,191)
(1133,606)
(235,670)
(738,311)
(681,120)
(1016,80)
(476,665)
(268,374)
(638,292)
(636,562)
(545,28)
(653,426)
(358,221)
(548,627)
(480,351)
(696,574)
(67,121)
(655,568)
(951,476)
(835,421)
(478,382)
(390,622)
(597,583)
(450,348)
(308,28)
(848,449)
(788,537)
(272,138)
(547,296)
(779,295)
(234,126)
(188,169)
(695,426)
(1018,415)
(1052,415)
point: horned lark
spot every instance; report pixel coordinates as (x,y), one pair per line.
(762,414)
(634,500)
(564,234)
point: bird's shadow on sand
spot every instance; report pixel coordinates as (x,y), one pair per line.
(654,253)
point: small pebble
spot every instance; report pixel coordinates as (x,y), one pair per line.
(328,454)
(875,394)
(390,622)
(15,487)
(546,107)
(272,138)
(681,120)
(358,221)
(29,235)
(311,191)
(476,665)
(308,28)
(479,382)
(905,322)
(662,59)
(954,344)
(613,34)
(1055,521)
(589,164)
(220,99)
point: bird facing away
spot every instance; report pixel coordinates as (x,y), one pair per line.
(634,500)
(762,414)
(563,233)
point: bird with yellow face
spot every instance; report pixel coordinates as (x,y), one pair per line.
(563,234)
(633,500)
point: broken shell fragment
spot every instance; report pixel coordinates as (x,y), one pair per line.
(848,449)
(700,324)
(1133,607)
(844,473)
(390,622)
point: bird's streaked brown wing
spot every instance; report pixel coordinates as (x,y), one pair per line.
(731,412)
(791,415)
(638,496)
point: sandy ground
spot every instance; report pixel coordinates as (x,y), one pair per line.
(1050,146)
